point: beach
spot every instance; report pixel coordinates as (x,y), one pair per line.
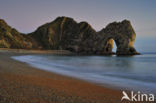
(21,83)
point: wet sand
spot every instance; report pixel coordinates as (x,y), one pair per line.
(21,83)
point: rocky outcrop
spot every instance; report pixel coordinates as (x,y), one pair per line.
(121,32)
(62,34)
(11,38)
(66,34)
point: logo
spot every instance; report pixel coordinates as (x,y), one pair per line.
(138,96)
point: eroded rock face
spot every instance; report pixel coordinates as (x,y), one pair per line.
(63,34)
(102,42)
(11,38)
(123,34)
(66,34)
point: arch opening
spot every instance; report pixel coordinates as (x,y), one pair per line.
(111,46)
(114,47)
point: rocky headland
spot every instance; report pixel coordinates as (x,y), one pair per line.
(65,33)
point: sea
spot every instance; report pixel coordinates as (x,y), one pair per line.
(135,73)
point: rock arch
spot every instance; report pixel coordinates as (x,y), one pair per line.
(123,35)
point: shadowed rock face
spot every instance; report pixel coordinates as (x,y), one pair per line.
(66,34)
(122,33)
(62,34)
(102,42)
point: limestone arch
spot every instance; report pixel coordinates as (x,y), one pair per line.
(123,35)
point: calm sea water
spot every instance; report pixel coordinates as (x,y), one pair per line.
(131,73)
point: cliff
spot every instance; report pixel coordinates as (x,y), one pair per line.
(11,38)
(64,33)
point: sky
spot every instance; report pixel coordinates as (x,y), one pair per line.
(27,15)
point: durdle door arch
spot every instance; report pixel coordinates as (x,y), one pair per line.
(122,34)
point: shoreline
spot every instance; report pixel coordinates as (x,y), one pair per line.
(22,83)
(63,52)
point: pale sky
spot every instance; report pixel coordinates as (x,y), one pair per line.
(27,15)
